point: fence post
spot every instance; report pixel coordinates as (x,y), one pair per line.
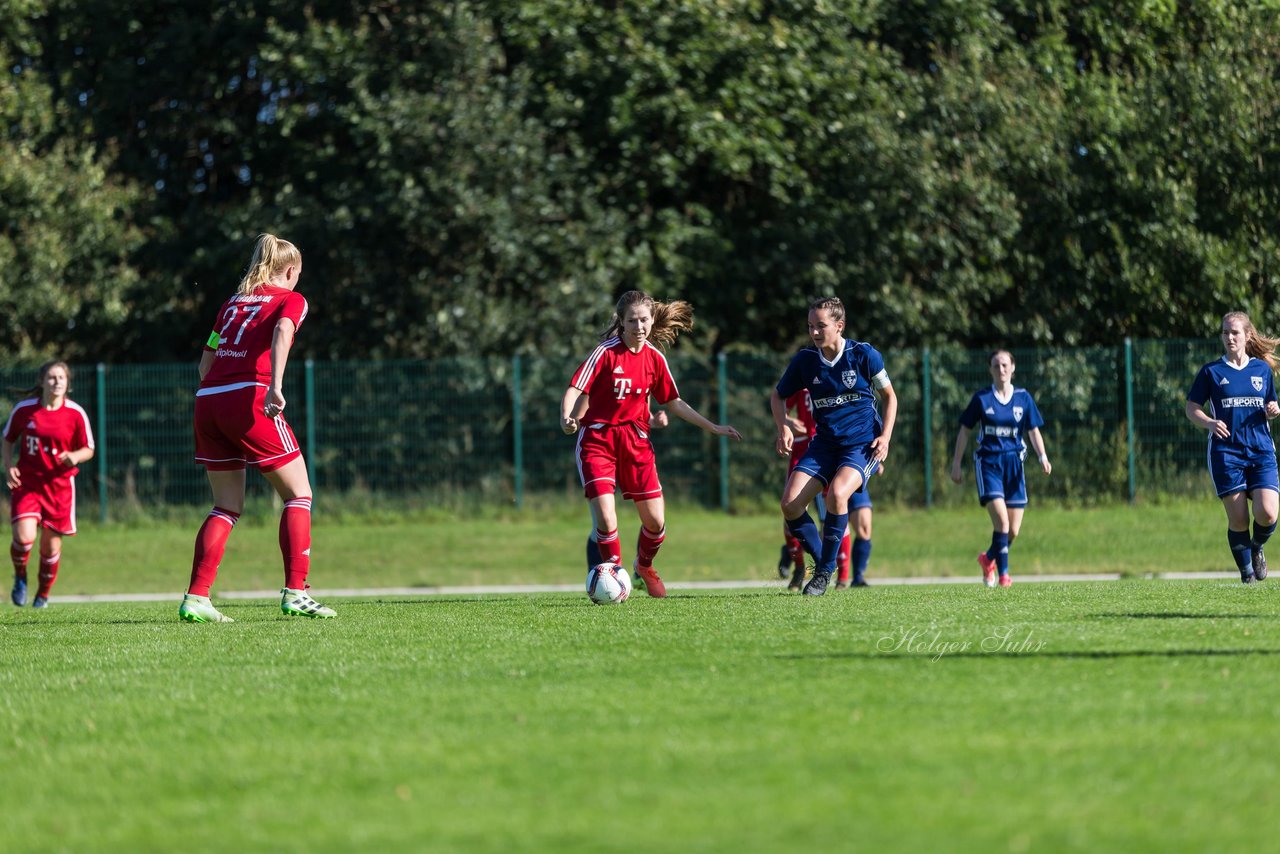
(926,406)
(100,449)
(309,377)
(517,430)
(1128,415)
(722,381)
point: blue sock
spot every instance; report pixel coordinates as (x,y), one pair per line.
(999,551)
(593,550)
(861,554)
(804,530)
(1241,550)
(1261,534)
(833,528)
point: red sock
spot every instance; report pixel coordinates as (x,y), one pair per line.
(842,557)
(19,553)
(610,545)
(211,542)
(796,551)
(647,545)
(48,573)
(295,541)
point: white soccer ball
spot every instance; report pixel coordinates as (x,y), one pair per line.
(608,584)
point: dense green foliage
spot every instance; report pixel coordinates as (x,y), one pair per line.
(1119,716)
(485,176)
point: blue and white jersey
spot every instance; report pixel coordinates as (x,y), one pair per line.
(1001,424)
(1238,397)
(842,391)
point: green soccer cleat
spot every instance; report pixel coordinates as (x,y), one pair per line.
(297,603)
(198,609)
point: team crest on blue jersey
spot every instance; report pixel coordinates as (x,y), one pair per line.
(850,378)
(1257,383)
(1017,413)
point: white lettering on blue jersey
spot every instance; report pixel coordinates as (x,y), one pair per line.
(1001,423)
(1238,397)
(842,391)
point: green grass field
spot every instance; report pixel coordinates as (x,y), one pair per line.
(1127,715)
(545,547)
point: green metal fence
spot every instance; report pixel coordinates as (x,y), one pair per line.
(490,427)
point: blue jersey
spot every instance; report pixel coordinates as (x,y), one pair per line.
(1238,397)
(842,391)
(1001,424)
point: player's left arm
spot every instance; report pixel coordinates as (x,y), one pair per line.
(1037,445)
(677,407)
(889,400)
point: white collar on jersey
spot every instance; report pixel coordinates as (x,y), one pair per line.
(832,363)
(1231,364)
(1004,401)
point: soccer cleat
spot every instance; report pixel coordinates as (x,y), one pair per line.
(988,569)
(1246,576)
(818,584)
(652,583)
(1006,581)
(797,579)
(40,602)
(637,581)
(1259,564)
(784,561)
(842,585)
(19,594)
(859,581)
(298,603)
(198,609)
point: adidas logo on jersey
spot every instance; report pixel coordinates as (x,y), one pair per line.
(31,425)
(618,369)
(990,411)
(1224,381)
(814,381)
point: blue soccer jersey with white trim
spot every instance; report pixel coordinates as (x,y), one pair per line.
(1239,398)
(1001,424)
(842,391)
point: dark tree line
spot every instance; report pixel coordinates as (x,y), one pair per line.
(485,177)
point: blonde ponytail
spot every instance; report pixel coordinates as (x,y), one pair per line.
(270,256)
(669,318)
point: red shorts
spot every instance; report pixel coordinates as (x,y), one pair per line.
(52,503)
(231,431)
(617,455)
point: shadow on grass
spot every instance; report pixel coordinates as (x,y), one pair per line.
(1178,615)
(934,657)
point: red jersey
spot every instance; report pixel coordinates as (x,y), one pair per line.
(620,383)
(42,434)
(803,405)
(241,340)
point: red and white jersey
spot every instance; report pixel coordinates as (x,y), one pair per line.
(241,339)
(42,434)
(803,405)
(619,384)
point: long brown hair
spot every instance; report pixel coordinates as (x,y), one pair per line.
(1255,345)
(669,318)
(271,254)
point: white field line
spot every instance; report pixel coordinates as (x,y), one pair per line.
(475,590)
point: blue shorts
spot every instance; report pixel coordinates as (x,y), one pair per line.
(860,500)
(1001,476)
(1241,470)
(822,461)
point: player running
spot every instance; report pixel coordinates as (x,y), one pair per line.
(1005,415)
(620,378)
(851,439)
(239,421)
(53,438)
(1240,391)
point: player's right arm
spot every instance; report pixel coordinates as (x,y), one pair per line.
(783,439)
(12,476)
(962,439)
(569,414)
(1200,418)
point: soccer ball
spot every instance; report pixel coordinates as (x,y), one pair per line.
(608,584)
